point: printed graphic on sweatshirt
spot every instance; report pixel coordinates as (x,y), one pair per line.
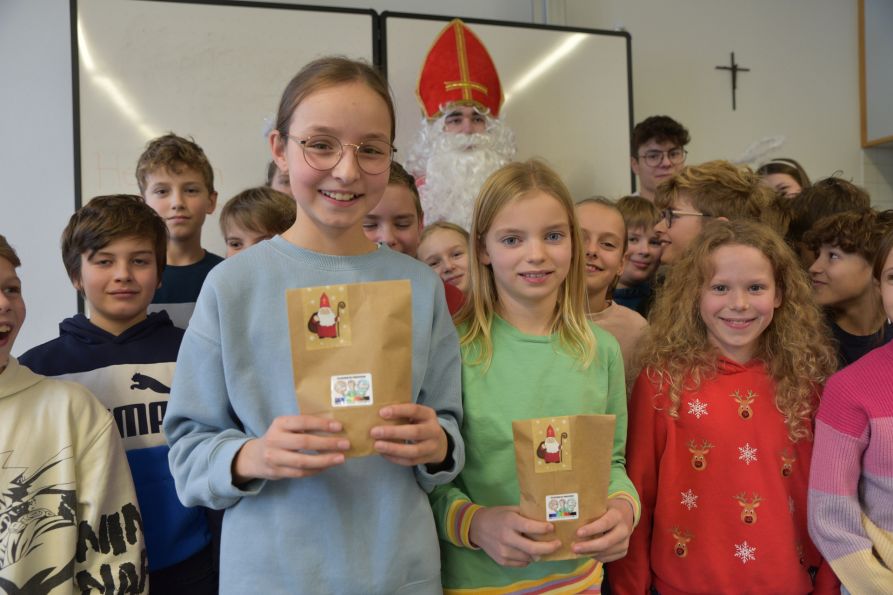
(553,451)
(327,313)
(38,518)
(136,395)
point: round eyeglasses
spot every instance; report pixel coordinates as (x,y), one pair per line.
(654,158)
(323,152)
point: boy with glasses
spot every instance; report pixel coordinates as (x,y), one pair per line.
(712,190)
(658,152)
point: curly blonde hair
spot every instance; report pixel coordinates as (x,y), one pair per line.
(796,346)
(505,186)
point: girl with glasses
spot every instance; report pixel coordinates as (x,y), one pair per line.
(300,518)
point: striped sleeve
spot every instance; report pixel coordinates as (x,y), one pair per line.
(453,511)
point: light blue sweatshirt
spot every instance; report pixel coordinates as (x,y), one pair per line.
(363,527)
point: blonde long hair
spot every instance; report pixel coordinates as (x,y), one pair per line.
(502,188)
(796,347)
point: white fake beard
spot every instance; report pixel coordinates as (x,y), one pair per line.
(455,167)
(326,317)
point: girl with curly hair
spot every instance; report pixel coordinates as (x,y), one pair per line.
(721,422)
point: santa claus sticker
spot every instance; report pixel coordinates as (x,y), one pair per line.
(553,450)
(327,314)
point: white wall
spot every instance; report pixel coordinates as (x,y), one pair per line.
(803,84)
(37,156)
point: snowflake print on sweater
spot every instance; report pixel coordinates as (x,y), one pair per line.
(689,499)
(745,552)
(747,453)
(717,491)
(697,408)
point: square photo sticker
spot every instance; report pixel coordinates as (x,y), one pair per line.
(562,507)
(352,390)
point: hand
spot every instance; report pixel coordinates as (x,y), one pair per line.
(419,441)
(282,451)
(610,533)
(503,534)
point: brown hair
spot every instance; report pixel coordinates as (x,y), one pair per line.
(108,218)
(272,170)
(260,209)
(660,128)
(828,196)
(8,252)
(172,153)
(856,232)
(326,72)
(503,188)
(718,189)
(638,212)
(883,251)
(784,165)
(795,347)
(400,177)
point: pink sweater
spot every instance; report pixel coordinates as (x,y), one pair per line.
(851,481)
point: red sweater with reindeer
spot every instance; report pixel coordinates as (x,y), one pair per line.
(723,492)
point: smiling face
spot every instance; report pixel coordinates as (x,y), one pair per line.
(332,203)
(182,199)
(603,229)
(529,248)
(119,281)
(446,251)
(643,254)
(395,221)
(677,237)
(12,309)
(739,300)
(840,278)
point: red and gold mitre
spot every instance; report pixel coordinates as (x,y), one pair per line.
(458,69)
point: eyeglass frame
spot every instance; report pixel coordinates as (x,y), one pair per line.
(302,142)
(654,152)
(667,215)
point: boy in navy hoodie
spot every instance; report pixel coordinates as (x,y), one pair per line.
(114,253)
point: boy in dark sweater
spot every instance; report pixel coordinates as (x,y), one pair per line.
(114,252)
(176,180)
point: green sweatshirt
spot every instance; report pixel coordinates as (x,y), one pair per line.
(529,377)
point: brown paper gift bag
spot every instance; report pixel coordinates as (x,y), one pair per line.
(564,468)
(351,348)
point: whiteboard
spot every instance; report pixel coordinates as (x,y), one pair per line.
(568,93)
(214,72)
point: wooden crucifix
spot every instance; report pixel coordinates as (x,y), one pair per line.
(734,69)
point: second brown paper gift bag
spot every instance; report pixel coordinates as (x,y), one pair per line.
(564,468)
(351,349)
